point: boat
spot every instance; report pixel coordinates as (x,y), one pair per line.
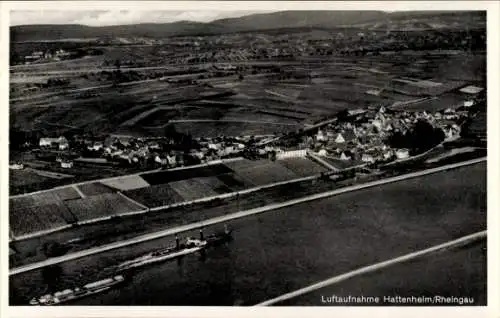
(191,245)
(77,293)
(178,250)
(219,238)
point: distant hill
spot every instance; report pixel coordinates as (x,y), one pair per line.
(254,22)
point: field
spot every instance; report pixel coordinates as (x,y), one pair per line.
(233,181)
(188,189)
(338,83)
(63,206)
(20,178)
(43,198)
(261,172)
(31,219)
(302,167)
(191,189)
(102,205)
(41,211)
(94,188)
(155,195)
(126,183)
(184,174)
(442,102)
(214,129)
(52,209)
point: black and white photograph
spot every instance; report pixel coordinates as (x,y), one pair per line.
(247,157)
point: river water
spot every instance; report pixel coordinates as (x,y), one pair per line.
(286,249)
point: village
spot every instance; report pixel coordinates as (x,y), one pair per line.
(356,137)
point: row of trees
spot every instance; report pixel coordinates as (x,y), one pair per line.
(423,136)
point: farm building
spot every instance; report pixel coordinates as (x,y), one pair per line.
(468,103)
(291,154)
(402,153)
(322,152)
(16,166)
(49,142)
(320,136)
(367,158)
(66,164)
(344,156)
(340,139)
(161,160)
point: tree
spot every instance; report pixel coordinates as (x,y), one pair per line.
(420,138)
(170,132)
(272,155)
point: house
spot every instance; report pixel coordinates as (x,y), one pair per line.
(322,153)
(320,136)
(344,156)
(468,103)
(451,131)
(171,160)
(377,123)
(64,145)
(161,160)
(96,146)
(213,146)
(230,149)
(116,153)
(448,132)
(340,139)
(198,154)
(16,166)
(49,142)
(367,158)
(154,145)
(66,164)
(388,154)
(402,153)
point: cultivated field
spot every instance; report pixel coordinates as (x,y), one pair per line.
(94,188)
(97,206)
(302,167)
(214,129)
(233,181)
(184,174)
(42,211)
(191,189)
(126,183)
(442,102)
(155,195)
(261,172)
(52,209)
(29,219)
(20,178)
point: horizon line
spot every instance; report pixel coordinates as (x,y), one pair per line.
(208,20)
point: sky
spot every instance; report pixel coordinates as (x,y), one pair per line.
(108,17)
